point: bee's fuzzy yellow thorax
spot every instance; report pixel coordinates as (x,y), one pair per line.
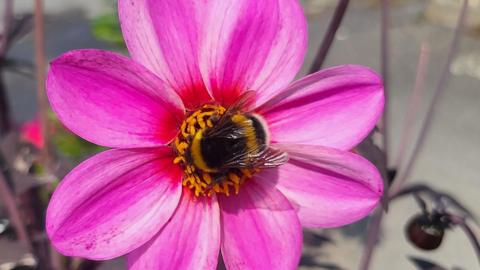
(197,175)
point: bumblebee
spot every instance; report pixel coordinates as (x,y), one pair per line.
(236,140)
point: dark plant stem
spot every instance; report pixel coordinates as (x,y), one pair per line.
(88,265)
(436,196)
(374,229)
(413,189)
(475,243)
(460,221)
(53,259)
(441,86)
(329,35)
(56,258)
(7,21)
(5,121)
(6,191)
(414,101)
(385,70)
(8,200)
(40,61)
(372,238)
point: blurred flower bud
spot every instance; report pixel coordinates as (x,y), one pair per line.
(426,231)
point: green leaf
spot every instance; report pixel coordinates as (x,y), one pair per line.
(74,147)
(107,28)
(68,144)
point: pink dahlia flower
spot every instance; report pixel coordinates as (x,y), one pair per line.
(150,198)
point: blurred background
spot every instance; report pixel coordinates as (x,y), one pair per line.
(449,160)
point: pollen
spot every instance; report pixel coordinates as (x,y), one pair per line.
(204,181)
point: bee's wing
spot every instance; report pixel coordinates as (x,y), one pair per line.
(267,157)
(242,104)
(270,158)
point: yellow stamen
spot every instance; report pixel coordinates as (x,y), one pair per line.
(178,160)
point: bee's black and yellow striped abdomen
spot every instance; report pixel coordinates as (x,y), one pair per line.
(240,137)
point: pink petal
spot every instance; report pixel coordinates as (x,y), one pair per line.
(110,100)
(164,35)
(260,229)
(190,240)
(329,187)
(336,107)
(113,203)
(252,45)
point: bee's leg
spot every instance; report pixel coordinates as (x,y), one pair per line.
(214,118)
(218,177)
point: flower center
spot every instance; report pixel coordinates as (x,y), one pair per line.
(215,149)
